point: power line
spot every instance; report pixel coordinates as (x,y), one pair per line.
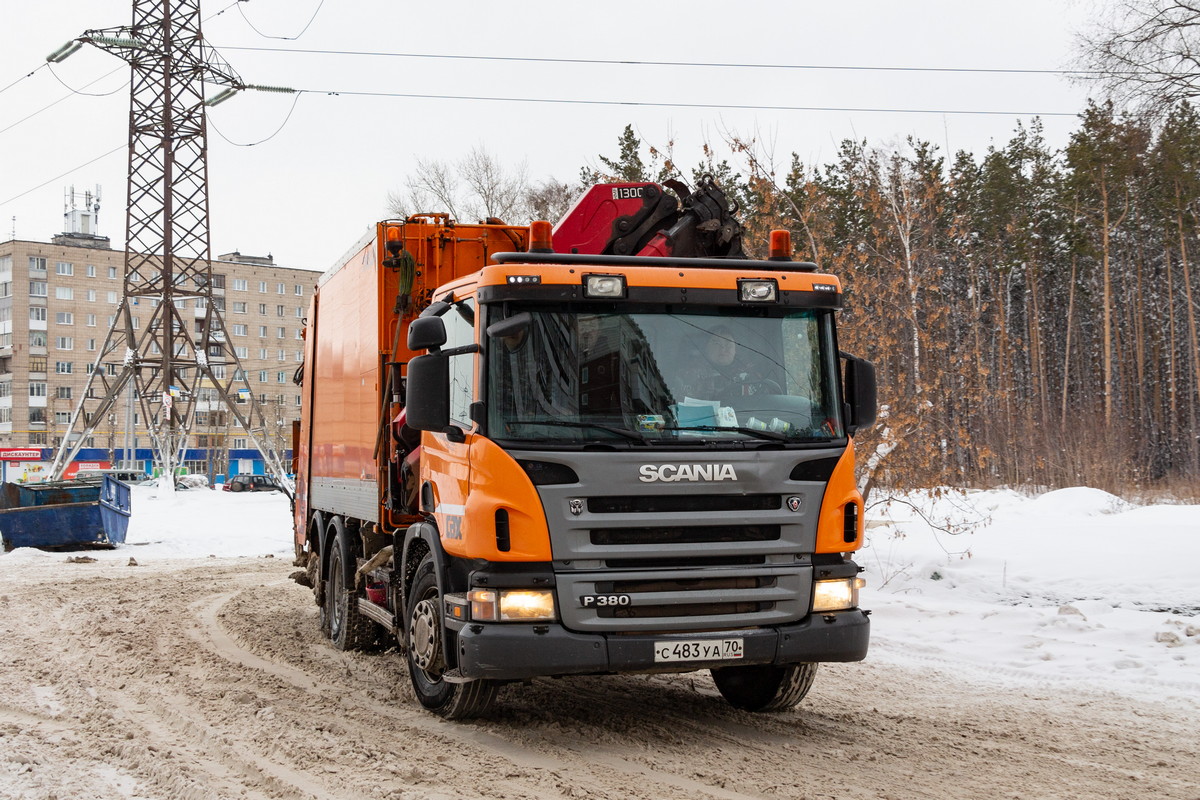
(630,62)
(23,77)
(64,97)
(717,106)
(284,38)
(278,130)
(87,94)
(63,175)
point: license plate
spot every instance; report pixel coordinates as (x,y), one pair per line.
(698,650)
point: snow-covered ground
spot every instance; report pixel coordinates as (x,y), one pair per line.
(1073,586)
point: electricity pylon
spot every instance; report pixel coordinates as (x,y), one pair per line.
(167,252)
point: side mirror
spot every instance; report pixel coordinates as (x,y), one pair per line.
(428,393)
(510,327)
(861,394)
(426,333)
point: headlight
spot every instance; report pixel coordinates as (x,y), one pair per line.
(836,595)
(511,605)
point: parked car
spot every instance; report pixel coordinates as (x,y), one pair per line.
(252,483)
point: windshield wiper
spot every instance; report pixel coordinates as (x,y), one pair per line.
(628,434)
(772,435)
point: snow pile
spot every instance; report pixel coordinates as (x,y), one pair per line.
(196,523)
(1074,585)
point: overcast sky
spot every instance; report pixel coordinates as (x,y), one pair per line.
(308,192)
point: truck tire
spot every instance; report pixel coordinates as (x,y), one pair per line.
(764,687)
(426,638)
(348,629)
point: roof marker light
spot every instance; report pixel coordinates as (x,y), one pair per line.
(607,286)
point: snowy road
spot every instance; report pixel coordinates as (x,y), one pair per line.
(206,678)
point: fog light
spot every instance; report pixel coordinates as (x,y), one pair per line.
(757,291)
(526,605)
(835,595)
(604,286)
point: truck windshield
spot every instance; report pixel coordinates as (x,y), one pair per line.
(665,378)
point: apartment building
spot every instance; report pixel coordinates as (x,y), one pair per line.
(57,303)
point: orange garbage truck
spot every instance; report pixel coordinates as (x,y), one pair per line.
(615,446)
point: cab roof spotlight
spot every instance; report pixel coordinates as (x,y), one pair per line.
(757,290)
(604,286)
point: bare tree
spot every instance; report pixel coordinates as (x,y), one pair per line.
(477,187)
(551,199)
(1146,53)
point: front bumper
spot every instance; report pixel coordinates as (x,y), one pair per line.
(520,651)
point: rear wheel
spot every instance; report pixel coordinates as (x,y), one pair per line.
(348,629)
(765,687)
(236,487)
(426,655)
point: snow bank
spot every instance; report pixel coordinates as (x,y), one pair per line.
(1074,585)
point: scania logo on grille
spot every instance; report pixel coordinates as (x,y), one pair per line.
(576,506)
(669,473)
(793,503)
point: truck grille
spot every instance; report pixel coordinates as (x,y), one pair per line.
(684,534)
(676,503)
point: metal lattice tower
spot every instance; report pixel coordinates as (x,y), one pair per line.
(178,353)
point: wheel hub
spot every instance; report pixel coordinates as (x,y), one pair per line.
(424,636)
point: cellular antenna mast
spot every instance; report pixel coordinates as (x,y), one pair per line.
(183,348)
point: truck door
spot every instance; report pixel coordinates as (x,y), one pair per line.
(445,463)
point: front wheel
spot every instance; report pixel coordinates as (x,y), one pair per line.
(764,687)
(426,655)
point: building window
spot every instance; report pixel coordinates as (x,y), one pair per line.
(239,330)
(64,367)
(91,295)
(37,438)
(37,388)
(242,352)
(218,371)
(5,415)
(280,288)
(299,290)
(64,343)
(262,331)
(112,298)
(5,388)
(91,270)
(218,281)
(37,313)
(299,312)
(239,375)
(239,284)
(262,287)
(263,353)
(262,376)
(37,338)
(112,272)
(91,344)
(37,264)
(5,288)
(219,303)
(64,293)
(281,333)
(201,302)
(91,320)
(63,392)
(239,308)
(262,308)
(281,377)
(37,288)
(64,268)
(239,443)
(64,318)
(37,416)
(37,363)
(279,311)
(62,417)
